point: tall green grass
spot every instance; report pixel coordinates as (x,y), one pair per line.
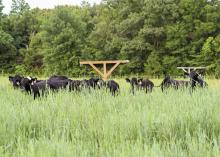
(171,124)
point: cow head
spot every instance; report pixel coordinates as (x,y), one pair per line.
(133,81)
(128,80)
(140,81)
(33,80)
(15,80)
(27,82)
(101,83)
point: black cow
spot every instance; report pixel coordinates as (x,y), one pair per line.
(37,87)
(15,80)
(196,79)
(54,83)
(101,84)
(26,83)
(57,77)
(23,83)
(113,87)
(84,83)
(134,83)
(58,84)
(91,83)
(146,84)
(176,84)
(74,85)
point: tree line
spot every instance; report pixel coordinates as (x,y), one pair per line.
(155,35)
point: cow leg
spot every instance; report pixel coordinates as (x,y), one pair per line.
(151,88)
(28,90)
(162,87)
(113,92)
(117,90)
(132,88)
(193,85)
(36,94)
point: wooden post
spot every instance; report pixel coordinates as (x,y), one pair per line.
(189,71)
(105,74)
(105,77)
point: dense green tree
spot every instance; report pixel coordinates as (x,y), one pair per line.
(1,8)
(64,34)
(7,52)
(155,35)
(19,7)
(210,55)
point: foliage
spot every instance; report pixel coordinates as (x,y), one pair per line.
(19,7)
(155,35)
(7,51)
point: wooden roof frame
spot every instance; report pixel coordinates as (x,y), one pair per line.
(188,69)
(105,74)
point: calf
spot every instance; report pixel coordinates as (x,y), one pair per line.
(57,77)
(57,84)
(196,79)
(37,87)
(134,83)
(146,84)
(23,82)
(91,83)
(26,84)
(176,84)
(101,84)
(74,85)
(15,80)
(113,87)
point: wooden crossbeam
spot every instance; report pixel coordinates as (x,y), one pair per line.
(96,69)
(112,69)
(104,62)
(191,67)
(105,74)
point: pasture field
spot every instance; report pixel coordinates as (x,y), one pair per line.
(171,124)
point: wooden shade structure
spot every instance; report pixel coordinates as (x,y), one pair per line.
(188,69)
(105,74)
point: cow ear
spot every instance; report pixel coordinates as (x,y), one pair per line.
(29,78)
(128,80)
(10,78)
(34,79)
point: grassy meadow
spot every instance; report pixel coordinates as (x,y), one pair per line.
(95,124)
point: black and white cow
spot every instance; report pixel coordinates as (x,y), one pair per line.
(146,85)
(134,84)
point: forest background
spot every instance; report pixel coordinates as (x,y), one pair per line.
(155,35)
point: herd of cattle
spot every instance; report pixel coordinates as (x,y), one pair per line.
(54,83)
